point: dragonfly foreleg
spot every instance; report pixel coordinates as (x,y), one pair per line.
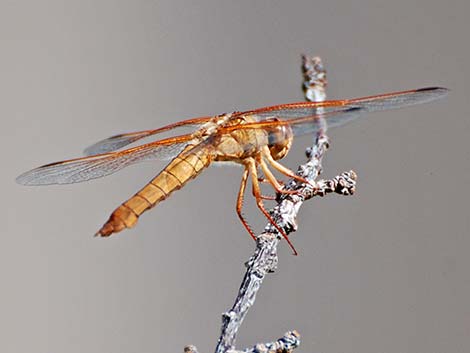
(265,180)
(281,169)
(251,165)
(271,179)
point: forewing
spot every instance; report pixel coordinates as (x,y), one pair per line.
(86,168)
(305,124)
(311,124)
(116,142)
(367,104)
(398,99)
(305,117)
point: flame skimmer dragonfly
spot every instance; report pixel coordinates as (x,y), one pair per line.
(256,139)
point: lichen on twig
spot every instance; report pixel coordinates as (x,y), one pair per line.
(285,344)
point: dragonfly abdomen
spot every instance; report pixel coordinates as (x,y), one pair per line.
(186,166)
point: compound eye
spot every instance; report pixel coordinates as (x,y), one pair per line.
(275,133)
(273,137)
(280,141)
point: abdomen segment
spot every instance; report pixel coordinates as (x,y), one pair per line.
(186,166)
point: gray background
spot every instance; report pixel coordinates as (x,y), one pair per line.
(384,271)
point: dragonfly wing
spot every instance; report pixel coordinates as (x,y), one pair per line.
(303,125)
(399,99)
(116,142)
(311,124)
(367,104)
(349,110)
(304,117)
(97,166)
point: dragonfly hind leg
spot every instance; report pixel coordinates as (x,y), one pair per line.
(240,198)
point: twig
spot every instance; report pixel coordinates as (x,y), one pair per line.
(265,259)
(285,344)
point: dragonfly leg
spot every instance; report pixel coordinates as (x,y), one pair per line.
(265,180)
(271,179)
(240,198)
(286,171)
(266,197)
(251,164)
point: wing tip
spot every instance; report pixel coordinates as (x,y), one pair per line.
(433,88)
(26,179)
(23,179)
(437,91)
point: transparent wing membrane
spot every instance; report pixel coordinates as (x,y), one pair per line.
(303,118)
(305,124)
(368,104)
(116,142)
(83,169)
(311,125)
(399,99)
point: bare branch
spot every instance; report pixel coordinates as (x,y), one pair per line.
(285,344)
(265,259)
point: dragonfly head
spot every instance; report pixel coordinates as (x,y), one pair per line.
(279,139)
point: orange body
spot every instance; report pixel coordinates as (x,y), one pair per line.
(176,174)
(256,139)
(234,146)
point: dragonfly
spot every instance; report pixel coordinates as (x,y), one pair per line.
(255,139)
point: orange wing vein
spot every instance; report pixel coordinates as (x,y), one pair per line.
(82,169)
(303,124)
(304,117)
(116,142)
(368,104)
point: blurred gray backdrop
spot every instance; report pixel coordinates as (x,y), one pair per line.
(386,270)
